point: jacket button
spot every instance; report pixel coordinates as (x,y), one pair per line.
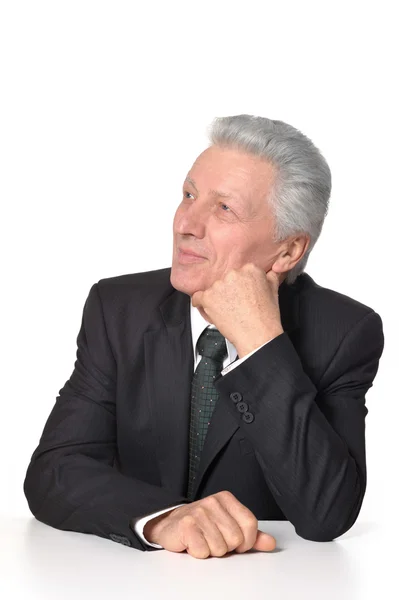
(236,397)
(242,407)
(120,539)
(248,417)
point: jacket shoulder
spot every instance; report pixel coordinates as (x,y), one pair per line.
(148,288)
(330,314)
(332,323)
(151,279)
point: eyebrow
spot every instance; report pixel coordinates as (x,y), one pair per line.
(216,192)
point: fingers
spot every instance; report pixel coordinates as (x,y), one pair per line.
(213,526)
(196,544)
(245,519)
(210,530)
(221,531)
(248,523)
(221,524)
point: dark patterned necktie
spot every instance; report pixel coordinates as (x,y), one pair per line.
(211,346)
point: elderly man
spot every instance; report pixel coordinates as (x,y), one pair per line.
(226,389)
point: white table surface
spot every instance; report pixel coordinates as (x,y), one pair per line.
(37,561)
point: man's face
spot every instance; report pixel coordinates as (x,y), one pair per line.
(226,231)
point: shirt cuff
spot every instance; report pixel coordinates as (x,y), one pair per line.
(139,526)
(235,364)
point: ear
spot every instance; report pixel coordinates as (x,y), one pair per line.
(291,253)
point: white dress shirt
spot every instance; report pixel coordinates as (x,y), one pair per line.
(198,324)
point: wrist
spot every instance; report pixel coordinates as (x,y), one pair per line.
(248,346)
(152,527)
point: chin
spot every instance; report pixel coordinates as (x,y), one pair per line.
(183,282)
(180,283)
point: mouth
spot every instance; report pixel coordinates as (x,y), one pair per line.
(188,257)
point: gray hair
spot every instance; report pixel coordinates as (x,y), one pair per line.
(300,195)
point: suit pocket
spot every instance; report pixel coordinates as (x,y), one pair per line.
(246,447)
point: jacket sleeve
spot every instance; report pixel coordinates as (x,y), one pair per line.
(310,441)
(71,482)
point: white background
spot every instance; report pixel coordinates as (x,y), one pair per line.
(105,106)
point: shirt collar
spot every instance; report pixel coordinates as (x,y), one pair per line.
(198,324)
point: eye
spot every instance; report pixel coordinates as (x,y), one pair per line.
(186,194)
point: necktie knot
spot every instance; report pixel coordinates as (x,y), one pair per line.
(212,344)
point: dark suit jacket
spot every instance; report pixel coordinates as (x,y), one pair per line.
(115,446)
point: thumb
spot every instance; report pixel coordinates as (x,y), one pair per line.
(264,542)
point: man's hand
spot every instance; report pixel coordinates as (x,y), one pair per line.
(244,307)
(211,526)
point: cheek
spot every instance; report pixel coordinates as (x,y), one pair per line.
(227,253)
(227,239)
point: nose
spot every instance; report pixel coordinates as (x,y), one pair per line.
(191,220)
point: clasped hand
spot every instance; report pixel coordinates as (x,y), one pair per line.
(212,526)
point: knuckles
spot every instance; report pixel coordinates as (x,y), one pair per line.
(190,528)
(211,501)
(223,494)
(199,511)
(187,521)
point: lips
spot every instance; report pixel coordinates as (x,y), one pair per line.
(190,253)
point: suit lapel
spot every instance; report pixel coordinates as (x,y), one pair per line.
(169,364)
